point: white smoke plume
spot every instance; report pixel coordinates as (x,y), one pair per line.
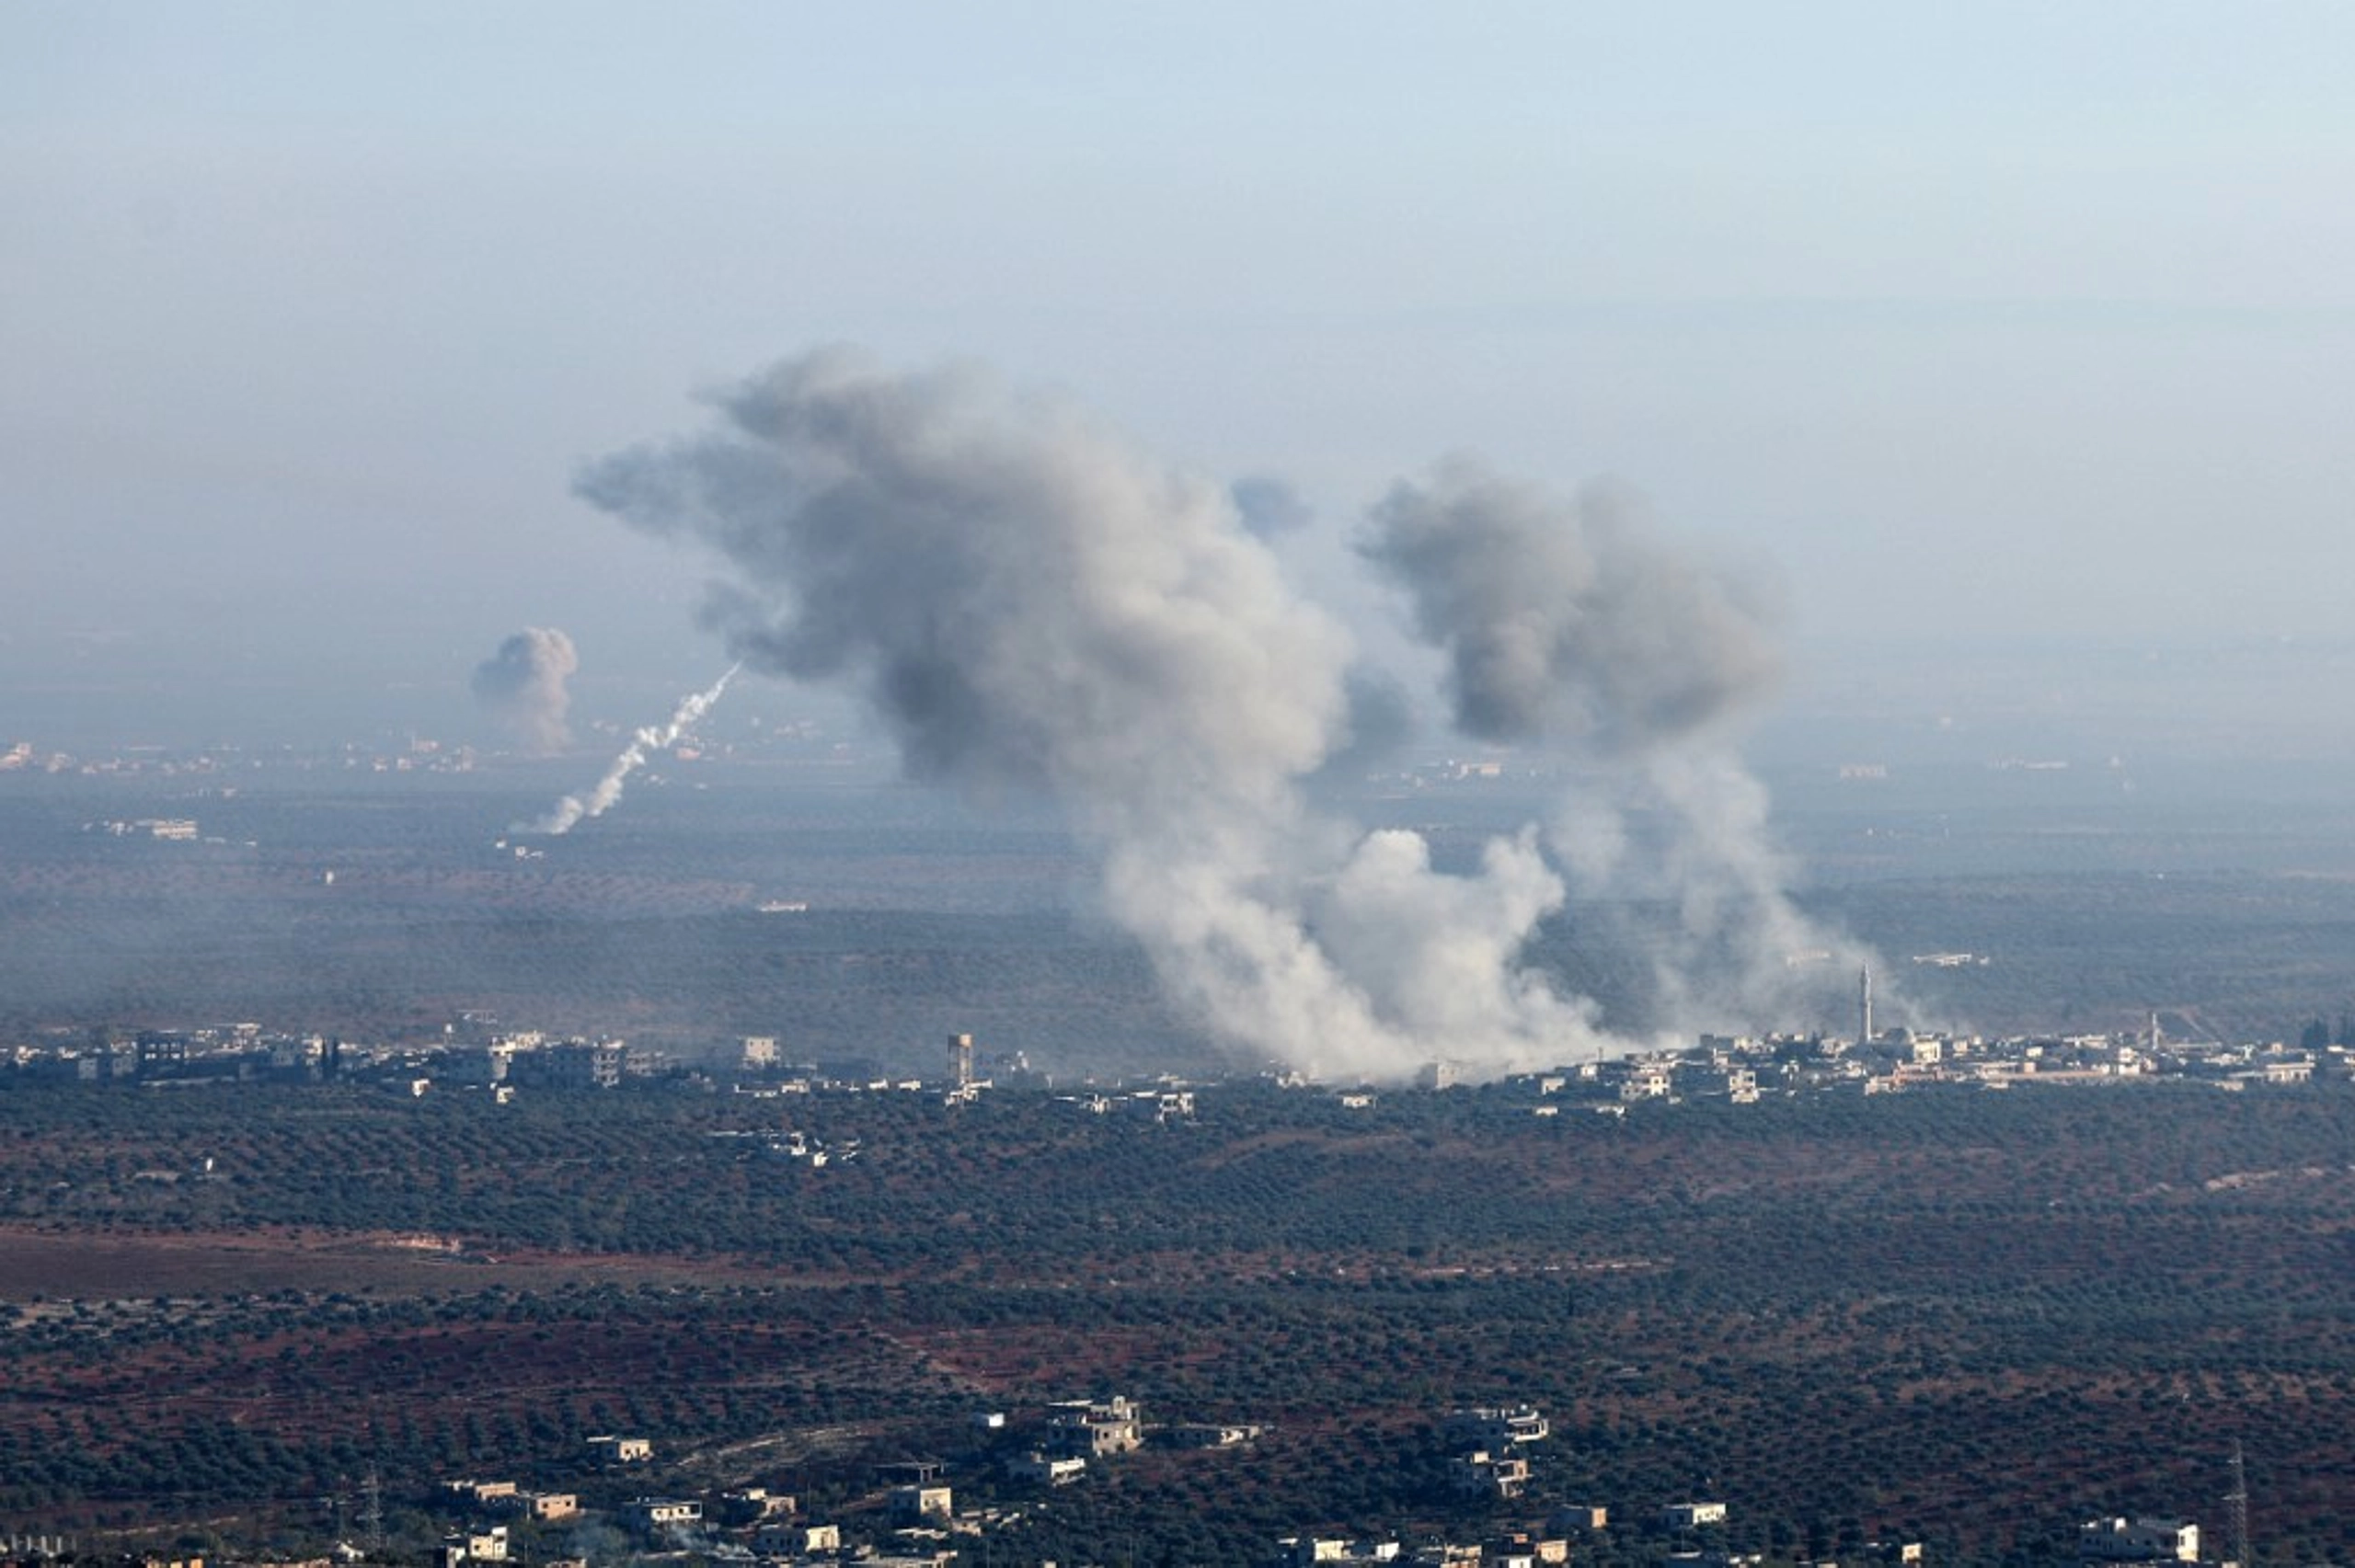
(1567,620)
(523,685)
(573,809)
(1671,858)
(1030,601)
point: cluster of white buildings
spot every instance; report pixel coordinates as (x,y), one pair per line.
(1489,1443)
(2099,1541)
(914,1518)
(1745,1069)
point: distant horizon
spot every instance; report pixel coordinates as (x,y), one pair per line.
(2196,699)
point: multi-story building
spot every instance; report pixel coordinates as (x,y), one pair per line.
(665,1513)
(1051,1469)
(608,1449)
(1093,1428)
(913,1502)
(2138,1541)
(1497,1426)
(572,1064)
(1481,1472)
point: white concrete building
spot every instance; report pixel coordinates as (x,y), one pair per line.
(2138,1540)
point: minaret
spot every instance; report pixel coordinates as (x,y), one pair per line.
(2237,1505)
(1865,1005)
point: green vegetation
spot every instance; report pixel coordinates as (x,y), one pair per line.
(1966,1317)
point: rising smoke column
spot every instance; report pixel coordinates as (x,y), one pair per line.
(1568,621)
(522,686)
(574,808)
(1732,951)
(1031,603)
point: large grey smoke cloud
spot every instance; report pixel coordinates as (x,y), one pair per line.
(1032,602)
(523,685)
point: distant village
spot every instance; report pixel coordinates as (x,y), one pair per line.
(476,1054)
(912,1517)
(913,1514)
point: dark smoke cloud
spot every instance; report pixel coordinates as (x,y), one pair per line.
(1563,617)
(522,686)
(1033,603)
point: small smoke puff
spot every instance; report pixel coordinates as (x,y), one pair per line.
(1269,506)
(1563,617)
(523,686)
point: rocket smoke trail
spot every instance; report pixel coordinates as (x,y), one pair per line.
(573,808)
(1030,601)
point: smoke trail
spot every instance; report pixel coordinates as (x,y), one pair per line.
(1030,601)
(574,808)
(522,686)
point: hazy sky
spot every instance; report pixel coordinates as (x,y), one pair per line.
(1992,321)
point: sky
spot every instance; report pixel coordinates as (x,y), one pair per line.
(2002,327)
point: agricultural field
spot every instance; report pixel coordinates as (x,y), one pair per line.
(1965,1317)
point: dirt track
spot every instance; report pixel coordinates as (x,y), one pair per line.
(47,1264)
